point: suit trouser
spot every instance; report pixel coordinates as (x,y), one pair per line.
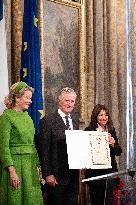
(63,194)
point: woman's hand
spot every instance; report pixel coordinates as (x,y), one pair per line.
(111,140)
(14,179)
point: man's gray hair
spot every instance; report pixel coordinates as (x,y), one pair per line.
(66,90)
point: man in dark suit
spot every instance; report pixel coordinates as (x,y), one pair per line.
(62,183)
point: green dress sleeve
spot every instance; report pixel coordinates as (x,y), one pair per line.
(5,128)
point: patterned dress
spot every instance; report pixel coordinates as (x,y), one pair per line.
(17,149)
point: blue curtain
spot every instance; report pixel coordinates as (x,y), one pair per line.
(1,10)
(30,60)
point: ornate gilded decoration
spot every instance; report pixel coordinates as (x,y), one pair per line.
(17,20)
(90,58)
(76,4)
(41,45)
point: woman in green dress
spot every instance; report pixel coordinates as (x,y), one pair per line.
(19,180)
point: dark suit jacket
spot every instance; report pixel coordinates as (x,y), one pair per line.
(53,148)
(114,151)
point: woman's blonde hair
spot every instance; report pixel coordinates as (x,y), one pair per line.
(16,90)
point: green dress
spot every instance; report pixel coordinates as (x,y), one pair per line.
(17,149)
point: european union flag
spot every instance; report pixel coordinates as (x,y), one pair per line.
(30,60)
(1,10)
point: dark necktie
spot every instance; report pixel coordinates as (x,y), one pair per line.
(67,123)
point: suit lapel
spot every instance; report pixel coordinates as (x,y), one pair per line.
(75,123)
(59,121)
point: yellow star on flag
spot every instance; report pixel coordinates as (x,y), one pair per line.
(42,113)
(25,72)
(35,21)
(25,46)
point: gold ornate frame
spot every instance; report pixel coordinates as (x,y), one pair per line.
(80,5)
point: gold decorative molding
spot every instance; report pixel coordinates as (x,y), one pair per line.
(16,37)
(82,46)
(134,91)
(40,6)
(68,3)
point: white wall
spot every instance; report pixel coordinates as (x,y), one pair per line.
(3,65)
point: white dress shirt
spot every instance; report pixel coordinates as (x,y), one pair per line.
(62,114)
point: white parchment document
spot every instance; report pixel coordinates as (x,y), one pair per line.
(88,149)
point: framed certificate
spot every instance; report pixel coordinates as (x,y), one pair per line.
(100,151)
(88,149)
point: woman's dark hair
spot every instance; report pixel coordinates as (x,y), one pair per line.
(97,109)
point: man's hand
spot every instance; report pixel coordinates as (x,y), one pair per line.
(51,180)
